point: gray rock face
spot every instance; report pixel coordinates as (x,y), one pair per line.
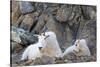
(15,40)
(68,37)
(15,12)
(19,21)
(28,39)
(23,37)
(63,13)
(29,21)
(89,12)
(26,7)
(40,24)
(15,37)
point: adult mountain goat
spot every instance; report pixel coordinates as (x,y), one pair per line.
(52,48)
(79,48)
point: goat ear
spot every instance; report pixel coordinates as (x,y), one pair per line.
(46,37)
(45,28)
(43,33)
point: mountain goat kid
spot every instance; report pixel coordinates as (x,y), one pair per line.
(79,48)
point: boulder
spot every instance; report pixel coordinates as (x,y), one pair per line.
(23,37)
(89,12)
(16,47)
(15,37)
(29,21)
(15,14)
(40,23)
(19,21)
(15,40)
(40,7)
(52,9)
(28,38)
(68,36)
(63,13)
(26,7)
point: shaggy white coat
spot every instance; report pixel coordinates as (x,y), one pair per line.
(52,48)
(79,48)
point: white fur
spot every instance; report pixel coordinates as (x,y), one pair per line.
(32,51)
(52,48)
(80,50)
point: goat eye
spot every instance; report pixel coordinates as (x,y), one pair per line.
(43,34)
(40,48)
(75,44)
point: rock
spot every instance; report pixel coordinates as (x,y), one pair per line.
(74,27)
(70,56)
(15,37)
(26,7)
(16,57)
(63,13)
(40,23)
(23,37)
(76,14)
(19,21)
(15,12)
(74,21)
(52,9)
(40,7)
(15,40)
(47,60)
(29,21)
(15,47)
(89,12)
(28,38)
(68,36)
(18,31)
(44,60)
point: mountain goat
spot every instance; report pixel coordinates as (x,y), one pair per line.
(33,51)
(52,48)
(79,48)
